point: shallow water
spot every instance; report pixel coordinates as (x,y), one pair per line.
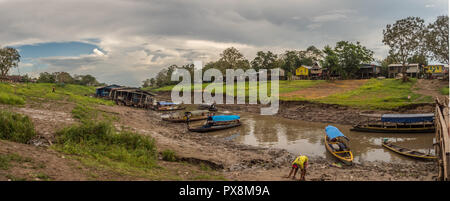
(301,137)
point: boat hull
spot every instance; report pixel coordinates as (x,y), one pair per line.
(213,128)
(184,120)
(407,152)
(393,130)
(346,160)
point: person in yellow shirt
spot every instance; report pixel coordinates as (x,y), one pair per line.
(302,163)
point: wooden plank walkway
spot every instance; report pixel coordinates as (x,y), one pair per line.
(442,145)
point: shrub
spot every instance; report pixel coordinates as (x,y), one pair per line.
(169,155)
(102,142)
(11,99)
(16,127)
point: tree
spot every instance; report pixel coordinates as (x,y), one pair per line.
(331,62)
(231,58)
(437,39)
(264,60)
(46,78)
(87,80)
(404,39)
(64,77)
(146,83)
(291,61)
(351,56)
(9,58)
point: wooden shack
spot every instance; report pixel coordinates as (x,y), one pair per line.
(367,71)
(132,97)
(412,70)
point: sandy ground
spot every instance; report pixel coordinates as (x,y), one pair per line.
(234,161)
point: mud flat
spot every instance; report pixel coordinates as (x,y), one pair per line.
(235,161)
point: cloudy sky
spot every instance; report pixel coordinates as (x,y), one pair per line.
(127,41)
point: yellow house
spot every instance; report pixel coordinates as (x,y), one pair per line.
(434,69)
(302,70)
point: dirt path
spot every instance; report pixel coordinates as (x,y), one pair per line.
(326,89)
(429,87)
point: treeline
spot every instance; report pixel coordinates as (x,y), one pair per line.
(66,78)
(343,59)
(409,40)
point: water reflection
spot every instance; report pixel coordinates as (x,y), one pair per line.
(300,137)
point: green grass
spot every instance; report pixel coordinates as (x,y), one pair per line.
(18,94)
(16,127)
(5,160)
(102,143)
(169,155)
(444,90)
(379,94)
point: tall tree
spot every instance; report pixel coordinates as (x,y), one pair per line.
(231,58)
(331,62)
(437,39)
(291,61)
(264,60)
(9,58)
(404,39)
(351,56)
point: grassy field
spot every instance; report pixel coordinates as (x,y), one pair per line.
(375,94)
(379,94)
(444,90)
(19,94)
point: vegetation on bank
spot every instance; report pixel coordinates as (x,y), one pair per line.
(16,127)
(375,94)
(19,94)
(379,94)
(103,143)
(444,90)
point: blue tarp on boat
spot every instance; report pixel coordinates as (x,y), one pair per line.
(333,132)
(407,118)
(224,118)
(166,103)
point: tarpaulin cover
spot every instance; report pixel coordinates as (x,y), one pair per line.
(333,132)
(166,103)
(407,118)
(224,118)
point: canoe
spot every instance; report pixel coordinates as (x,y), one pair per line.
(204,129)
(396,123)
(342,153)
(392,129)
(217,122)
(180,118)
(407,152)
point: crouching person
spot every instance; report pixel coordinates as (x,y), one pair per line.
(302,163)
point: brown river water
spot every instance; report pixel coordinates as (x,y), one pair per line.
(307,138)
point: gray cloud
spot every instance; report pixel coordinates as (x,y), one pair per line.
(140,37)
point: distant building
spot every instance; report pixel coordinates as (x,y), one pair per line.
(12,78)
(412,70)
(309,72)
(104,91)
(367,71)
(435,71)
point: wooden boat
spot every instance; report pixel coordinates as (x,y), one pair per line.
(334,143)
(210,107)
(396,123)
(215,123)
(180,117)
(167,106)
(406,152)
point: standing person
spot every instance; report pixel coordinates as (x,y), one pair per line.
(302,163)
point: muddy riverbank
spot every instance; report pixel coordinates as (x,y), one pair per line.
(315,112)
(236,161)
